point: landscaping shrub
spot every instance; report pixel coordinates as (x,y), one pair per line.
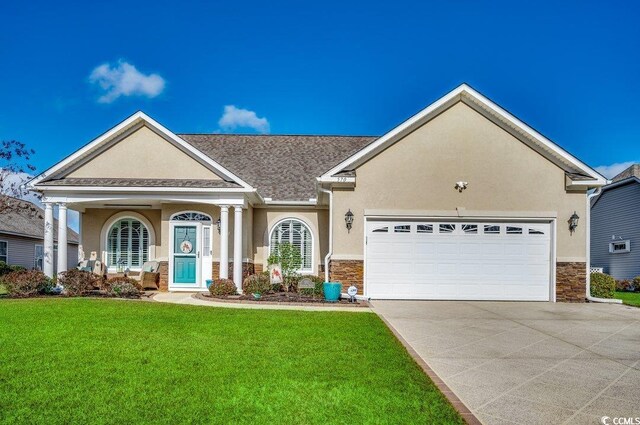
(78,282)
(4,268)
(220,287)
(26,283)
(624,285)
(636,284)
(256,284)
(318,291)
(602,285)
(123,287)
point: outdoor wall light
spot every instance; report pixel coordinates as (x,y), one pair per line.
(573,222)
(348,219)
(218,225)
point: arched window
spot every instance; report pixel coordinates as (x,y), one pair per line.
(297,234)
(191,216)
(127,244)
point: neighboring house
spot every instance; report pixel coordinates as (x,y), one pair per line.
(144,192)
(615,226)
(21,237)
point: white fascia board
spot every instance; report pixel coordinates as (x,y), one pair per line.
(533,134)
(95,198)
(142,189)
(292,203)
(336,179)
(123,126)
(392,135)
(442,104)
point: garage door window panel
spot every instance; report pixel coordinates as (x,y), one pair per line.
(446,228)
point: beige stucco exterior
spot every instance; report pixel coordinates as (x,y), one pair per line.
(264,220)
(419,173)
(143,154)
(96,220)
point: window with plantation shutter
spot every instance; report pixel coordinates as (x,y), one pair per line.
(127,244)
(297,234)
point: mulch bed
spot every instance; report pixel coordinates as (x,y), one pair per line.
(290,298)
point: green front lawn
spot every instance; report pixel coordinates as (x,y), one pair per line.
(112,361)
(629,298)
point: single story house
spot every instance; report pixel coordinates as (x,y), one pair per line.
(21,237)
(615,225)
(462,201)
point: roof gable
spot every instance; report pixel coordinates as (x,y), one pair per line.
(25,218)
(632,171)
(100,157)
(280,167)
(491,111)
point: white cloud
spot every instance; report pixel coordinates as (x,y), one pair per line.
(612,170)
(123,79)
(234,118)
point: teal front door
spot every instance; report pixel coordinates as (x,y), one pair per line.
(185,255)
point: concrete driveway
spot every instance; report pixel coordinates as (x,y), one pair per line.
(528,363)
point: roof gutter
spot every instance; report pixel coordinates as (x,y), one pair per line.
(588,224)
(328,256)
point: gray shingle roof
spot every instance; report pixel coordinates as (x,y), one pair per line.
(633,171)
(280,167)
(27,219)
(139,182)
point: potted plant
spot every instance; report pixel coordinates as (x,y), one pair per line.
(332,291)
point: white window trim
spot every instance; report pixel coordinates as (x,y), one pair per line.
(35,256)
(104,236)
(6,251)
(311,269)
(627,248)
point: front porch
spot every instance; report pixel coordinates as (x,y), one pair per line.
(193,238)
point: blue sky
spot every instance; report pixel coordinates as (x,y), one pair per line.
(69,73)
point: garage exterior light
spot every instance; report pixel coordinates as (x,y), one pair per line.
(573,221)
(348,219)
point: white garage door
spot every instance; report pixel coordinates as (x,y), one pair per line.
(458,260)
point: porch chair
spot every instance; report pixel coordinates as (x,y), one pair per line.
(149,277)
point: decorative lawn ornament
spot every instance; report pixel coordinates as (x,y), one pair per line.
(352,292)
(306,283)
(275,274)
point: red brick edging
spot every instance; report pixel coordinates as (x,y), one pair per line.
(457,404)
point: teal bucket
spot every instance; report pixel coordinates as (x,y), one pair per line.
(209,282)
(332,291)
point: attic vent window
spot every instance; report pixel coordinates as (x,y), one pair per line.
(619,247)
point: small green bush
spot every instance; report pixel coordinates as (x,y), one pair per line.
(602,285)
(4,268)
(124,287)
(78,282)
(221,287)
(636,284)
(624,285)
(256,284)
(288,256)
(26,283)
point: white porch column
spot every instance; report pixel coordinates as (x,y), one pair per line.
(224,242)
(48,239)
(237,248)
(62,237)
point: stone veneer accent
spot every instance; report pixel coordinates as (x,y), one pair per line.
(571,282)
(247,269)
(163,269)
(347,272)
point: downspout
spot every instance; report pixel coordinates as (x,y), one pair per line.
(328,256)
(588,225)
